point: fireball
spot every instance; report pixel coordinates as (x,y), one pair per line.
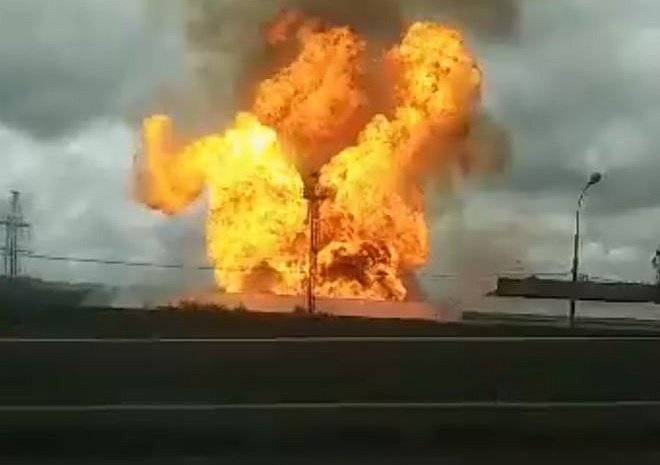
(312,117)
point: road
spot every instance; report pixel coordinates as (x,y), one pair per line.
(293,389)
(318,369)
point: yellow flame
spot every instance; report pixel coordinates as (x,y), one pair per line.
(373,227)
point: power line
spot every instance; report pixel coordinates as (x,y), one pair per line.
(101,261)
(130,263)
(179,266)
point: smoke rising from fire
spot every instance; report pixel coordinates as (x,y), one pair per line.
(229,57)
(374,143)
(227,54)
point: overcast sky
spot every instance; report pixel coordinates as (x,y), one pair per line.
(575,83)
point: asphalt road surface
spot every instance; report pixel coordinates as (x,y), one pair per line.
(351,369)
(385,390)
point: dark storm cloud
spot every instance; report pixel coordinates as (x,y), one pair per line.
(579,93)
(68,62)
(75,75)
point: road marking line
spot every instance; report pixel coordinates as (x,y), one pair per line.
(323,339)
(329,406)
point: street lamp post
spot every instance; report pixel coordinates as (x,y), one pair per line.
(593,179)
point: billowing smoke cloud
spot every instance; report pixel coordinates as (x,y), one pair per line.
(228,56)
(227,34)
(484,18)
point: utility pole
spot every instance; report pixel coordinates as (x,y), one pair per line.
(314,196)
(655,262)
(14,224)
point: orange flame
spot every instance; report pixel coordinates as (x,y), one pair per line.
(373,227)
(314,103)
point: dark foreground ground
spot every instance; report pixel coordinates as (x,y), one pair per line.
(139,387)
(209,323)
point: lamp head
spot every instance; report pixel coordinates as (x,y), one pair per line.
(595,178)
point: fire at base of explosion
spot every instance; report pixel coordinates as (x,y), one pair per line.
(286,304)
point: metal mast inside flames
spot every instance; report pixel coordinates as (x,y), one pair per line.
(314,195)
